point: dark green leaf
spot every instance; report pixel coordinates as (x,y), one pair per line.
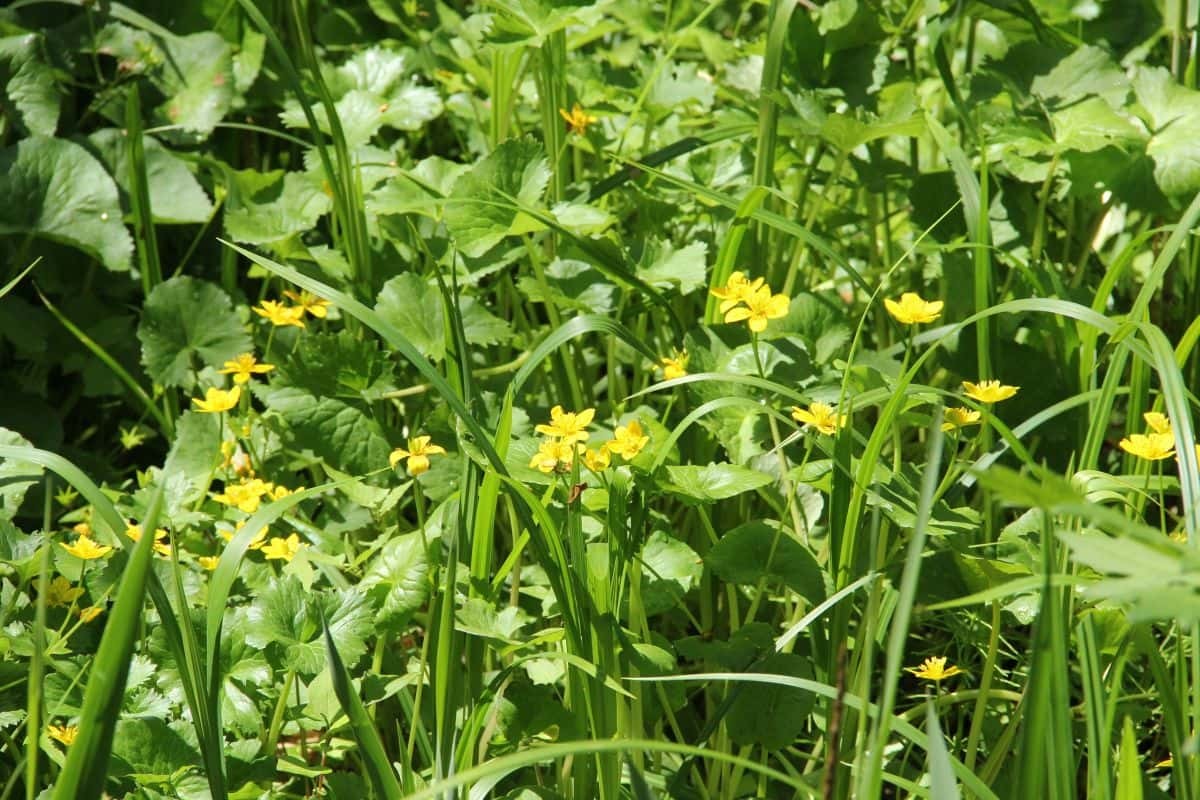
(184,320)
(754,551)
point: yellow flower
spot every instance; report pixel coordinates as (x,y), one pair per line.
(63,733)
(90,613)
(597,460)
(1159,423)
(244,367)
(257,543)
(1166,763)
(245,496)
(628,441)
(217,400)
(309,302)
(83,529)
(821,416)
(674,366)
(577,119)
(989,391)
(1150,446)
(760,307)
(209,562)
(934,669)
(160,545)
(418,453)
(735,290)
(554,455)
(60,592)
(283,549)
(279,492)
(85,547)
(570,427)
(960,418)
(280,315)
(912,310)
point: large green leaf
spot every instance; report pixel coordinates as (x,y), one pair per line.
(398,579)
(284,614)
(336,431)
(175,194)
(185,319)
(55,189)
(1173,113)
(194,453)
(768,714)
(754,551)
(664,266)
(267,211)
(669,570)
(482,209)
(415,308)
(15,476)
(28,91)
(713,481)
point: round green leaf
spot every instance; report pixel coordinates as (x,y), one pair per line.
(185,319)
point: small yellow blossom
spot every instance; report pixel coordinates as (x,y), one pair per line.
(760,306)
(209,562)
(309,303)
(628,440)
(280,315)
(90,613)
(912,310)
(83,529)
(597,460)
(65,734)
(989,391)
(217,400)
(85,547)
(245,367)
(257,543)
(418,452)
(161,547)
(577,119)
(960,418)
(735,290)
(821,416)
(554,455)
(1159,423)
(570,427)
(934,669)
(245,496)
(60,592)
(1166,763)
(674,366)
(280,492)
(1150,446)
(283,549)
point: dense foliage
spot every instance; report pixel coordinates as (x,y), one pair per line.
(599,399)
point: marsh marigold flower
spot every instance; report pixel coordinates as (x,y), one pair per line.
(1158,422)
(161,547)
(989,391)
(90,613)
(245,496)
(760,307)
(245,367)
(217,400)
(912,310)
(209,562)
(821,416)
(65,734)
(597,460)
(675,366)
(577,119)
(309,303)
(279,314)
(257,543)
(628,440)
(1150,446)
(735,290)
(283,549)
(87,548)
(567,426)
(957,418)
(934,669)
(418,453)
(60,592)
(554,455)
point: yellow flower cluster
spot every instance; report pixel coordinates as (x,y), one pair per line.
(752,301)
(160,545)
(281,315)
(1158,443)
(674,366)
(566,437)
(247,496)
(66,734)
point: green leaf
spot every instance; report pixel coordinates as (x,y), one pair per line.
(339,365)
(175,194)
(363,113)
(27,84)
(482,211)
(478,617)
(334,430)
(197,78)
(528,22)
(267,211)
(1129,768)
(754,551)
(481,326)
(1173,115)
(768,714)
(662,266)
(679,85)
(15,476)
(286,615)
(57,190)
(1088,71)
(398,579)
(185,319)
(669,570)
(942,783)
(713,481)
(194,453)
(415,308)
(1091,125)
(151,747)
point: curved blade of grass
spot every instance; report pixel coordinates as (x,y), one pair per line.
(85,772)
(379,770)
(750,404)
(8,287)
(573,329)
(942,785)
